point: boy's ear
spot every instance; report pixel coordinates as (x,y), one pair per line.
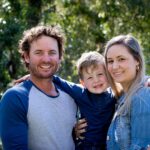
(81,82)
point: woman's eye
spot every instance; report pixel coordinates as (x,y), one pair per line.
(110,61)
(121,59)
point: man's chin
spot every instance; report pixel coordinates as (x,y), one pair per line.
(45,76)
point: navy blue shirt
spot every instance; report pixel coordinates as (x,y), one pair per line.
(97,109)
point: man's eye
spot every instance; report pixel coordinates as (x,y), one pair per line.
(52,53)
(38,52)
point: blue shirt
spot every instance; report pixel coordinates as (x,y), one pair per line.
(32,120)
(97,109)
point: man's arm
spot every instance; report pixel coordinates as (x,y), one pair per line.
(13,121)
(147,81)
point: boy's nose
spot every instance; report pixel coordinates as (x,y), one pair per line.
(96,79)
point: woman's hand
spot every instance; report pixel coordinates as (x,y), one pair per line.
(80,128)
(26,77)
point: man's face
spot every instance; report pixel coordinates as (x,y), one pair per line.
(43,57)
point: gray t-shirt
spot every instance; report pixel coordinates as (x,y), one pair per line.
(50,121)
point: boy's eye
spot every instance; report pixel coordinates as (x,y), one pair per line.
(100,74)
(89,78)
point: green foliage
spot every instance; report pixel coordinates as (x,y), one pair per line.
(88,24)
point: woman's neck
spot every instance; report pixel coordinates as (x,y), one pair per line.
(126,87)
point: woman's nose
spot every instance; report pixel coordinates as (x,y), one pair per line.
(115,65)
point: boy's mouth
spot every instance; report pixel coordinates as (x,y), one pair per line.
(98,86)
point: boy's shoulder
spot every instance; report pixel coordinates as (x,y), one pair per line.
(110,92)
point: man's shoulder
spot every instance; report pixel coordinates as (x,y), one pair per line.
(15,99)
(19,91)
(21,88)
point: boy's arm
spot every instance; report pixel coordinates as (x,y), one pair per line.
(13,122)
(74,90)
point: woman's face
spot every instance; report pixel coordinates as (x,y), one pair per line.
(121,65)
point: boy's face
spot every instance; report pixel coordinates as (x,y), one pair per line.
(94,79)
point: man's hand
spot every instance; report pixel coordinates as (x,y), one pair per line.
(26,77)
(80,128)
(147,83)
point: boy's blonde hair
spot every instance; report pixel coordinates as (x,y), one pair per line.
(89,59)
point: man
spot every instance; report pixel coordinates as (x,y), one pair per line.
(37,114)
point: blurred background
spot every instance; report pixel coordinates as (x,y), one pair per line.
(88,25)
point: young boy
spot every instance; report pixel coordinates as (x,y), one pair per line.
(95,100)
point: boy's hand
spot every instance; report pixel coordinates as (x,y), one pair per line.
(80,128)
(26,77)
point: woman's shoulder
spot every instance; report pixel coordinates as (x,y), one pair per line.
(143,92)
(141,99)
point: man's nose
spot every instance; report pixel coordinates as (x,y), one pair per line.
(46,57)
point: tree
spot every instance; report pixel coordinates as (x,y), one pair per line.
(88,24)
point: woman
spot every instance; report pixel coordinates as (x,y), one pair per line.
(129,129)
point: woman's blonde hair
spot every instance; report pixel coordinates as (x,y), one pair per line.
(135,50)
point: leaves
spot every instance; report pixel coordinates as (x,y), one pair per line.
(88,24)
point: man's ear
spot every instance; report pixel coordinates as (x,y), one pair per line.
(60,60)
(26,57)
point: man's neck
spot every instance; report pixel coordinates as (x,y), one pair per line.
(45,85)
